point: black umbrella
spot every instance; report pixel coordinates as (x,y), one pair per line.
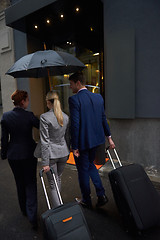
(45,63)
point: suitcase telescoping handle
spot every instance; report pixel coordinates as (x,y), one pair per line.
(44,187)
(110,157)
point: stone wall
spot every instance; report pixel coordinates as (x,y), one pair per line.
(4,4)
(8,84)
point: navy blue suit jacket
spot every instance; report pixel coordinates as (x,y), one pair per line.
(16,134)
(88,121)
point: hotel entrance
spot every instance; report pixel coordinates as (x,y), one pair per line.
(75,27)
(72,26)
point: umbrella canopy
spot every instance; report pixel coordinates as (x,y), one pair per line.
(44,63)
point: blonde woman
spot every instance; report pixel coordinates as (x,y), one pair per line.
(54,150)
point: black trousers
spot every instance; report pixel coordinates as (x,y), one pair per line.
(25,174)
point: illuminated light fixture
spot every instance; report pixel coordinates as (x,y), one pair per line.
(97,71)
(96,54)
(35,26)
(48,21)
(69,43)
(102,77)
(93,90)
(66,75)
(77,9)
(91,28)
(62,16)
(87,65)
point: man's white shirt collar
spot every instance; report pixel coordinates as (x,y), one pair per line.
(82,89)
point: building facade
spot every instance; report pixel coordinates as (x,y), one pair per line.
(119,41)
(6,59)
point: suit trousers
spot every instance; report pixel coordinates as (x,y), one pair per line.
(58,167)
(25,172)
(86,170)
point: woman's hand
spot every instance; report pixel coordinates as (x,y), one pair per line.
(46,168)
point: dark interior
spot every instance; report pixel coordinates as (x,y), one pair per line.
(83,28)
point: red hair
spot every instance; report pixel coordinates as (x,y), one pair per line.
(17,97)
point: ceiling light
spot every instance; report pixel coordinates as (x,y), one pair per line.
(62,16)
(35,26)
(91,28)
(48,21)
(77,9)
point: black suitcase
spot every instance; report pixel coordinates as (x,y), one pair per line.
(136,198)
(65,222)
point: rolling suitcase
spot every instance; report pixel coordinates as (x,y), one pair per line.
(135,196)
(65,222)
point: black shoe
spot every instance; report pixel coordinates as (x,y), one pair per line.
(102,200)
(86,205)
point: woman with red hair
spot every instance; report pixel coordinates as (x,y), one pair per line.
(17,145)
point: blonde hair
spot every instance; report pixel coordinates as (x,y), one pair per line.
(54,99)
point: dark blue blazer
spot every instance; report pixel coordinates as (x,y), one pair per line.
(88,121)
(16,134)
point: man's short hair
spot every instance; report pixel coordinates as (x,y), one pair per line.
(78,76)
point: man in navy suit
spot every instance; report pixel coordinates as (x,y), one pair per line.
(88,129)
(17,145)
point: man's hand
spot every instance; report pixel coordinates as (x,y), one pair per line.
(46,168)
(111,143)
(76,152)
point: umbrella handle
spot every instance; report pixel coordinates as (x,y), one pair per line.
(44,45)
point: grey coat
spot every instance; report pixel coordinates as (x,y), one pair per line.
(52,137)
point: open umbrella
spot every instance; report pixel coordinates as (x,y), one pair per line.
(37,64)
(45,63)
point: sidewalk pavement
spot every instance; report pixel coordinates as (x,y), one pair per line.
(104,223)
